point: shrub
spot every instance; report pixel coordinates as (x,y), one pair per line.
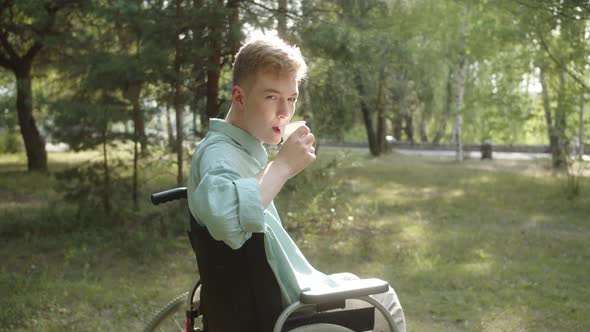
(311,202)
(10,142)
(97,198)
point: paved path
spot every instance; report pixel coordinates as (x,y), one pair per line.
(475,154)
(451,154)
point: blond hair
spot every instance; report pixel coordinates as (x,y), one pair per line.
(267,54)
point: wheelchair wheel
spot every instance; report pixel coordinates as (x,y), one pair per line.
(172,317)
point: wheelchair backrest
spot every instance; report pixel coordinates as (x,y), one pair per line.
(239,289)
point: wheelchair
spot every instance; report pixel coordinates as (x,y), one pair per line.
(238,291)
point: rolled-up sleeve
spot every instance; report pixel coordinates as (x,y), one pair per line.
(228,205)
(250,210)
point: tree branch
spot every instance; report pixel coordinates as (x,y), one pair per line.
(290,14)
(37,46)
(562,65)
(6,63)
(545,6)
(52,9)
(6,45)
(4,4)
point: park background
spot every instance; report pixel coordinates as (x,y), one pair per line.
(103,101)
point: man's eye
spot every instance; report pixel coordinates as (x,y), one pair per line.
(271,97)
(292,100)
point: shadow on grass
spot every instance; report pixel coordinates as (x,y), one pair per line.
(61,272)
(465,250)
(470,250)
(90,278)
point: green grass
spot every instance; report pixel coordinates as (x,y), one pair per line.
(482,246)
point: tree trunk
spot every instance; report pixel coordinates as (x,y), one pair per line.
(398,126)
(373,147)
(557,155)
(282,19)
(460,88)
(546,105)
(126,39)
(204,121)
(423,120)
(458,108)
(135,168)
(446,109)
(581,127)
(426,96)
(409,127)
(381,129)
(235,28)
(306,104)
(195,112)
(199,97)
(34,142)
(457,138)
(381,120)
(214,66)
(133,93)
(170,131)
(306,107)
(179,134)
(178,103)
(106,198)
(20,62)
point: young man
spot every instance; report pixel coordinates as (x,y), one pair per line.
(232,185)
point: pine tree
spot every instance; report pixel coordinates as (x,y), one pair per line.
(25,28)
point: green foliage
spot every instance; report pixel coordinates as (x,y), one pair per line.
(419,42)
(85,121)
(335,102)
(99,51)
(575,170)
(7,103)
(86,187)
(311,202)
(10,142)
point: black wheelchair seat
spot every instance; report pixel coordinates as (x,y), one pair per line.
(240,292)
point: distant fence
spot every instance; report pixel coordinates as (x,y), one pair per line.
(450,147)
(472,147)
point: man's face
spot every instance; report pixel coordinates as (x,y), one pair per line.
(268,103)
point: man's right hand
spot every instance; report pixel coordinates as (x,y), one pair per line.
(297,152)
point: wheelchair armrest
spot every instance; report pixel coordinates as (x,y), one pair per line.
(348,289)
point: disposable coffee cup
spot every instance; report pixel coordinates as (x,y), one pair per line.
(289,128)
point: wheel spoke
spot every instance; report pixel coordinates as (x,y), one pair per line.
(180,328)
(171,317)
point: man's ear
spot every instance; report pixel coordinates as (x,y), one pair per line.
(237,95)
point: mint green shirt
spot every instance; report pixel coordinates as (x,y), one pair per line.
(224,196)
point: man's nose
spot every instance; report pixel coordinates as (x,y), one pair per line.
(283,111)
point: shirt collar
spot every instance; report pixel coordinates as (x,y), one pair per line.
(252,145)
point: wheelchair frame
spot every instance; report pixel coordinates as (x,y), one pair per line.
(318,300)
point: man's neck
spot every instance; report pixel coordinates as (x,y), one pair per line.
(234,118)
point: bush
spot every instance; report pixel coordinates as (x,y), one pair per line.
(311,202)
(10,142)
(575,170)
(97,199)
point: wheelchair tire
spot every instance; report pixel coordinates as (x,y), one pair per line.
(322,328)
(172,317)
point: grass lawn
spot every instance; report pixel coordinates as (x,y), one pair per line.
(482,246)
